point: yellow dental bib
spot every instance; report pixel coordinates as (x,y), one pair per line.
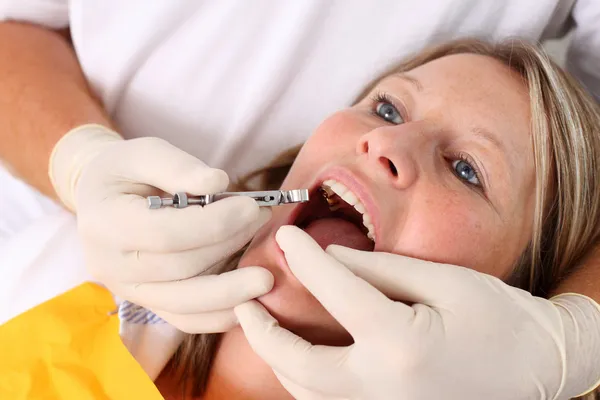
(69,348)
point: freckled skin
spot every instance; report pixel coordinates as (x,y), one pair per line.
(425,211)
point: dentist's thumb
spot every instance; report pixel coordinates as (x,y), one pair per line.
(404,278)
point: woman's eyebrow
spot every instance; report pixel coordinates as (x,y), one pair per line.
(485,134)
(489,137)
(412,80)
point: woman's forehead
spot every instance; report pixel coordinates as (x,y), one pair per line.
(469,75)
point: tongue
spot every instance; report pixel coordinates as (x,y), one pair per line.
(328,231)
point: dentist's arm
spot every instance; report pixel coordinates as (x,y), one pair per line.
(43,94)
(583,315)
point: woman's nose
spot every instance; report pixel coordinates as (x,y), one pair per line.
(390,155)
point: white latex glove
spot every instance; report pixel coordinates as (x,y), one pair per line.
(468,335)
(154,258)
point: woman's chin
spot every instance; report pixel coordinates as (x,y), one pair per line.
(294,307)
(300,313)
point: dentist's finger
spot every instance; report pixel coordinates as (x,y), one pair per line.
(161,267)
(348,298)
(158,163)
(171,229)
(404,278)
(319,368)
(203,293)
(209,322)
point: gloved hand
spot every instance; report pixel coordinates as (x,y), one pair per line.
(468,335)
(154,258)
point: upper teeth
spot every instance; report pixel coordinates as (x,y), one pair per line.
(349,197)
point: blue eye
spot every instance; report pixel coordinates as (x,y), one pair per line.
(389,113)
(466,172)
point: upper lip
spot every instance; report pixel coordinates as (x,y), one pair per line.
(354,183)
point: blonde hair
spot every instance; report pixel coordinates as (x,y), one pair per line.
(565,126)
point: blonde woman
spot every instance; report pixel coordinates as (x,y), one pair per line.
(469,154)
(292,65)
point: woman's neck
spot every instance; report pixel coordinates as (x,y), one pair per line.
(238,373)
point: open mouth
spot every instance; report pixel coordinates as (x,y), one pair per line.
(335,215)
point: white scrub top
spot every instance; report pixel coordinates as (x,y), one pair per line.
(234,83)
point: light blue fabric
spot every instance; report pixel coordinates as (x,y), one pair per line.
(134,314)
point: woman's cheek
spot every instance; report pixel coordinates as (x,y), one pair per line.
(333,142)
(341,129)
(448,235)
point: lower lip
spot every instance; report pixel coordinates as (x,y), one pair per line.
(279,255)
(280,259)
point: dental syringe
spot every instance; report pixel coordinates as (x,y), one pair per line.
(264,198)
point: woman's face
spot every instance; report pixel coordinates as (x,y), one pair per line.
(439,157)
